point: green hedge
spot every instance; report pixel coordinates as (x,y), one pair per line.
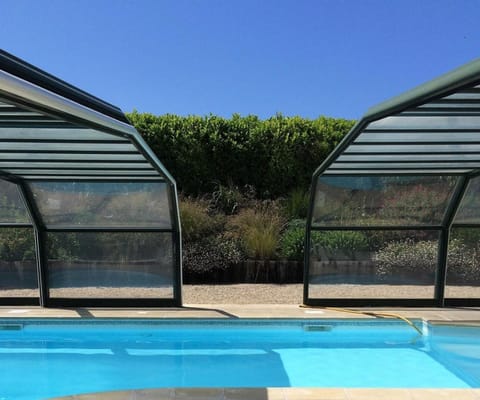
(274,155)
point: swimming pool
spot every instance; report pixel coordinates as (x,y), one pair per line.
(46,358)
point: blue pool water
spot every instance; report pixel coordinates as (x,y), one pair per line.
(41,359)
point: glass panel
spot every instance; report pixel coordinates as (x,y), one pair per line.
(63,133)
(80,165)
(381,200)
(373,264)
(415,123)
(407,165)
(110,265)
(463,265)
(85,178)
(101,172)
(413,148)
(416,137)
(412,157)
(122,204)
(469,209)
(18,270)
(463,96)
(12,208)
(90,147)
(451,107)
(70,157)
(387,171)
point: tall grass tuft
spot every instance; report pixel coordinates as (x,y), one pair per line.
(296,204)
(259,230)
(197,222)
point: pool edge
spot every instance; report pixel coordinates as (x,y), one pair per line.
(281,394)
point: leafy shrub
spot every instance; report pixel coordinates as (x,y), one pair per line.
(211,253)
(17,244)
(296,204)
(205,245)
(292,242)
(66,246)
(196,220)
(340,242)
(230,199)
(259,229)
(469,236)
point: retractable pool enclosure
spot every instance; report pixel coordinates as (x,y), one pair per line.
(394,216)
(88,214)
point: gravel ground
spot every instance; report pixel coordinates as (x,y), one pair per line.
(192,294)
(243,294)
(293,293)
(256,293)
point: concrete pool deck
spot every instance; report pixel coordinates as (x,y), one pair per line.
(434,315)
(240,311)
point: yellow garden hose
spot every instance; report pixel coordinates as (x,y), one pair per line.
(371,314)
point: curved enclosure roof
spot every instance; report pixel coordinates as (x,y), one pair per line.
(434,128)
(394,216)
(49,129)
(88,214)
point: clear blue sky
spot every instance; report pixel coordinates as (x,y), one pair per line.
(298,57)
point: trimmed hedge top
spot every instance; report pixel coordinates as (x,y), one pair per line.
(274,155)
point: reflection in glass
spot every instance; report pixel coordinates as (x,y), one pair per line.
(463,264)
(18,271)
(373,264)
(469,209)
(382,200)
(122,204)
(12,208)
(110,264)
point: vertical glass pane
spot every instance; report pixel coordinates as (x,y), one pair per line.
(120,204)
(12,209)
(469,210)
(373,264)
(463,263)
(18,270)
(382,200)
(110,265)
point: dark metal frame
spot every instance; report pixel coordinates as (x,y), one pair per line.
(439,299)
(409,104)
(41,231)
(40,234)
